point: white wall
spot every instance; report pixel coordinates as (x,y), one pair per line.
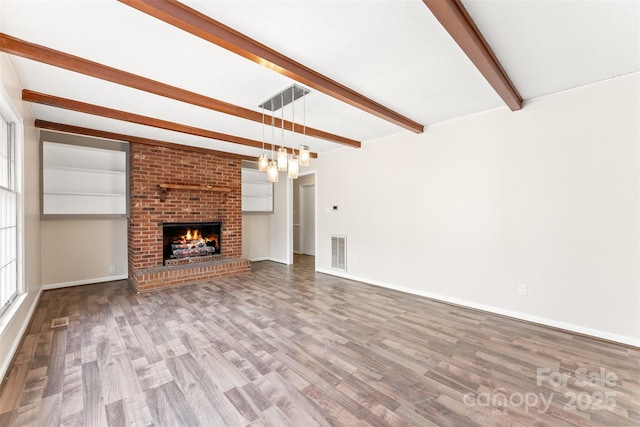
(80,251)
(255,236)
(11,329)
(269,236)
(547,197)
(280,222)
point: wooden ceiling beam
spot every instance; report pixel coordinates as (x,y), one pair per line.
(34,52)
(77,130)
(459,24)
(96,110)
(198,24)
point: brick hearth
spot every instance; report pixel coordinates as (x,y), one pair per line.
(151,166)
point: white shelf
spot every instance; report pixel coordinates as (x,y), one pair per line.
(83,170)
(257,191)
(79,180)
(63,193)
(254,181)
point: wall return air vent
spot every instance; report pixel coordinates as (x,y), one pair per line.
(339,253)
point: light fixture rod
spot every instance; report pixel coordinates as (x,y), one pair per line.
(263,130)
(293,120)
(284,98)
(273,135)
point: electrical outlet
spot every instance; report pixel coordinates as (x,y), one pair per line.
(522,290)
(112,269)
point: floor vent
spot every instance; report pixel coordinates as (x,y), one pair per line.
(339,252)
(59,322)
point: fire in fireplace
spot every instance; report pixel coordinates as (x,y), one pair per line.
(184,243)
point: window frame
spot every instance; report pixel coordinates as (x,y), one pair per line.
(16,128)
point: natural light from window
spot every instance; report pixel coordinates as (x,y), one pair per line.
(8,216)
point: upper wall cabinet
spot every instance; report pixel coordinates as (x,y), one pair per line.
(257,191)
(82,179)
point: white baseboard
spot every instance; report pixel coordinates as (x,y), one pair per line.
(491,309)
(84,282)
(21,332)
(279,261)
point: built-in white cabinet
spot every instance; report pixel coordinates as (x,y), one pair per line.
(83,180)
(257,191)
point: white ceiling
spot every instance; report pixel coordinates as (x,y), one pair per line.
(394,52)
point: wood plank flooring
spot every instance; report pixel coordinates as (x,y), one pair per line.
(285,346)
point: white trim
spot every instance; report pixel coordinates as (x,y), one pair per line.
(491,309)
(13,116)
(289,223)
(313,172)
(279,261)
(7,316)
(18,339)
(84,282)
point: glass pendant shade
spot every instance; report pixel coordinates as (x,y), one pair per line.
(263,162)
(293,166)
(304,155)
(282,159)
(272,171)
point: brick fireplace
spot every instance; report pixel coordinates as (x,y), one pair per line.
(174,186)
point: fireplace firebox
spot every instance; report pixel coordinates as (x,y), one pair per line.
(185,243)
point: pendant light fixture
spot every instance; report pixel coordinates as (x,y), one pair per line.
(263,160)
(283,161)
(282,152)
(292,164)
(293,168)
(304,150)
(304,155)
(272,166)
(272,171)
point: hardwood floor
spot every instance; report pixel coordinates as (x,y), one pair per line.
(288,346)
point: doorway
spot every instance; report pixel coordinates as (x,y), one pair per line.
(308,219)
(304,217)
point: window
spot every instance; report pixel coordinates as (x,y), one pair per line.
(8,216)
